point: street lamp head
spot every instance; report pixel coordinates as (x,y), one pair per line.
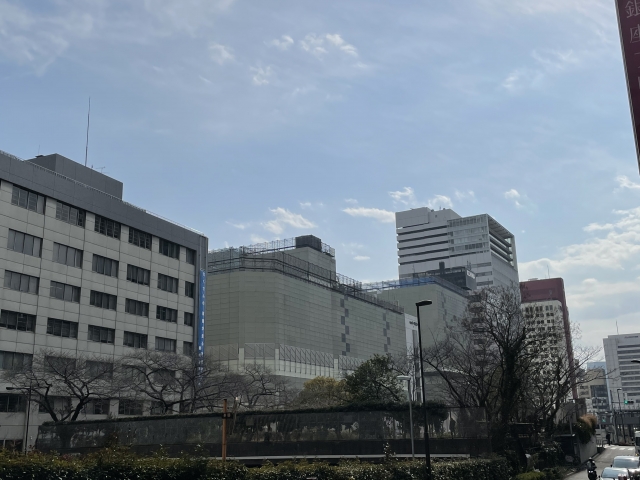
(11,388)
(635,361)
(404,378)
(423,303)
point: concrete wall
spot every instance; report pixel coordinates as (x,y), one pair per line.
(249,307)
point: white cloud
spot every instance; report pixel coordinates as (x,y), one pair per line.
(520,200)
(188,16)
(361,258)
(594,227)
(305,204)
(283,44)
(311,205)
(406,196)
(383,216)
(439,201)
(614,251)
(286,218)
(351,201)
(468,195)
(220,53)
(28,38)
(318,44)
(591,291)
(239,226)
(624,182)
(258,239)
(261,75)
(337,40)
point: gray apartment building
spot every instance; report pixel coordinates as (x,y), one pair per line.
(86,272)
(620,352)
(426,238)
(282,304)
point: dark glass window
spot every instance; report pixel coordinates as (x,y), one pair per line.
(65,292)
(188,319)
(135,340)
(17,321)
(166,314)
(12,403)
(27,199)
(107,227)
(69,256)
(99,369)
(139,238)
(169,249)
(187,348)
(21,282)
(135,307)
(70,214)
(101,334)
(99,406)
(24,243)
(138,275)
(129,407)
(62,328)
(167,283)
(189,289)
(15,361)
(165,344)
(103,300)
(105,266)
(191,256)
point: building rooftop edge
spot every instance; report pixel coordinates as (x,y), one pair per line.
(34,165)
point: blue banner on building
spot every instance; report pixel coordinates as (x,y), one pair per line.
(202,291)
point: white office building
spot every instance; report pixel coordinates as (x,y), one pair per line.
(623,374)
(429,238)
(86,273)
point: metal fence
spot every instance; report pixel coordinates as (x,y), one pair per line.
(284,429)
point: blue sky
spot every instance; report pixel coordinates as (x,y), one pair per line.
(252,121)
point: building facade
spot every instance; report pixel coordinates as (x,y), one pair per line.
(624,374)
(593,388)
(89,274)
(282,305)
(545,307)
(426,238)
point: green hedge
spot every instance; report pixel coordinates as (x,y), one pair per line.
(116,464)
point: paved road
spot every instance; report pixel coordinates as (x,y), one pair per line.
(603,460)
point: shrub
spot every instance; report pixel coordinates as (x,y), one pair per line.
(117,463)
(531,476)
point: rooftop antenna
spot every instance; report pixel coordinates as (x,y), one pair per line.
(617,329)
(86,149)
(548,274)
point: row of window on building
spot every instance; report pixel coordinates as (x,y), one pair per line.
(72,257)
(36,202)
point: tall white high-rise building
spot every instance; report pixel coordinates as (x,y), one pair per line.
(624,374)
(429,238)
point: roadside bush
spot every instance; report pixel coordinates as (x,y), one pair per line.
(531,476)
(119,464)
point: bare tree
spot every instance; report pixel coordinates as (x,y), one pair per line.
(256,386)
(62,384)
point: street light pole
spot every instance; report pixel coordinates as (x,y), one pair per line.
(427,455)
(624,433)
(408,379)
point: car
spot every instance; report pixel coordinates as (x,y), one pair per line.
(629,462)
(611,473)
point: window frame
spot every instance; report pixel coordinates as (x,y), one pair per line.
(140,239)
(103,334)
(191,321)
(98,263)
(168,283)
(64,325)
(136,305)
(110,228)
(75,253)
(21,282)
(169,249)
(28,320)
(170,314)
(98,300)
(190,256)
(80,214)
(135,338)
(165,341)
(36,243)
(134,272)
(35,202)
(68,293)
(189,287)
